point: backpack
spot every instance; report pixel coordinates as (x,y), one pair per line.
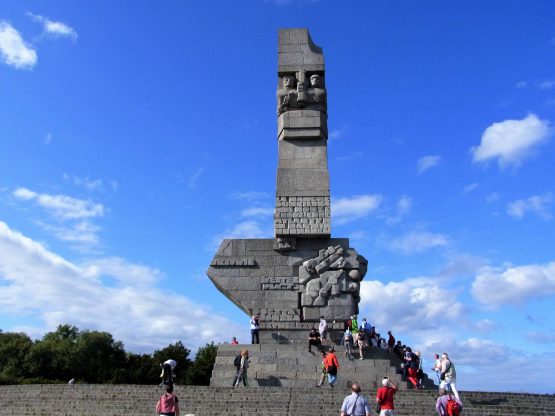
(167,403)
(237,362)
(452,408)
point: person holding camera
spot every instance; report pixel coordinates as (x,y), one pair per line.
(384,398)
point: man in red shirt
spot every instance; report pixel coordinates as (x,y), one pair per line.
(384,397)
(332,365)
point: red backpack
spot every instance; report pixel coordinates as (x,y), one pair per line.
(453,408)
(167,403)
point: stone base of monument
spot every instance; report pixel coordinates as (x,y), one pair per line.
(125,400)
(292,365)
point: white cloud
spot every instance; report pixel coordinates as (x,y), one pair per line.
(82,232)
(511,141)
(344,210)
(337,133)
(62,206)
(409,305)
(546,84)
(38,283)
(47,139)
(473,360)
(258,212)
(14,50)
(54,29)
(471,187)
(497,286)
(88,184)
(538,204)
(485,325)
(521,84)
(427,162)
(416,242)
(245,229)
(403,207)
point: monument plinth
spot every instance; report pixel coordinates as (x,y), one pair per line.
(302,273)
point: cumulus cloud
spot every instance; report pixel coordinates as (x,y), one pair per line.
(61,206)
(344,210)
(245,229)
(497,286)
(409,305)
(402,209)
(511,141)
(427,162)
(39,283)
(537,204)
(477,361)
(14,51)
(54,29)
(416,242)
(541,337)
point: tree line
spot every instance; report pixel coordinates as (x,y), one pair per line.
(94,357)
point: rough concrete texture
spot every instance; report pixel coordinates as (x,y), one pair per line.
(125,400)
(290,289)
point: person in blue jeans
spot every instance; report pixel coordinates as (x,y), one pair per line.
(255,327)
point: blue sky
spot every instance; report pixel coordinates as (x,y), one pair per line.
(136,135)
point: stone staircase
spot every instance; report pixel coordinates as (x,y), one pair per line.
(130,400)
(291,365)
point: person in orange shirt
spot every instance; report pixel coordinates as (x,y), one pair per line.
(332,366)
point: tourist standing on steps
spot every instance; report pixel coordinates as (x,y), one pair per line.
(362,343)
(242,372)
(255,327)
(448,375)
(168,405)
(390,343)
(437,367)
(323,329)
(234,341)
(324,372)
(384,397)
(347,342)
(445,401)
(355,404)
(332,366)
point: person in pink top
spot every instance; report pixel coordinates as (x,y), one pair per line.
(168,405)
(384,397)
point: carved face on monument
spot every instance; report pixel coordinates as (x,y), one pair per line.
(316,81)
(289,81)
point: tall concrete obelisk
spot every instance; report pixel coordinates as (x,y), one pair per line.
(302,273)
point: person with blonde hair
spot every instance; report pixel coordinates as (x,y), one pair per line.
(242,372)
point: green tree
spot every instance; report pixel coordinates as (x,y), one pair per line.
(176,352)
(101,359)
(201,369)
(141,369)
(13,350)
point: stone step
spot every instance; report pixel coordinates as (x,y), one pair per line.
(116,400)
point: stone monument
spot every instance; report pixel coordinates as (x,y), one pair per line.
(302,273)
